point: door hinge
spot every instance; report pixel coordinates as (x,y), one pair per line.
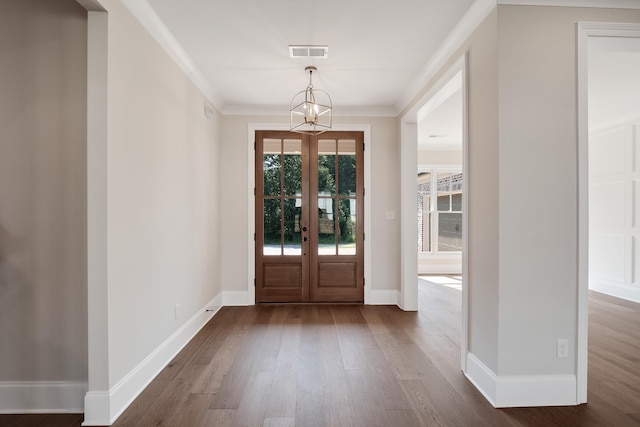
(254,237)
(254,145)
(363,146)
(254,282)
(363,236)
(254,191)
(363,282)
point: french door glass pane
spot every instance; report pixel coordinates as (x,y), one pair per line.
(449,232)
(272,231)
(292,150)
(272,166)
(326,167)
(346,167)
(291,229)
(347,226)
(326,226)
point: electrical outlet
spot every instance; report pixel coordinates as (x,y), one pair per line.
(176,311)
(563,348)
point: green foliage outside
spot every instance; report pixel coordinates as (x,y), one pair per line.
(276,185)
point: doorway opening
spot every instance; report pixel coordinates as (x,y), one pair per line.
(309,203)
(434,131)
(608,171)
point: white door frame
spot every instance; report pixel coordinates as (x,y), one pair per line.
(584,31)
(251,214)
(409,219)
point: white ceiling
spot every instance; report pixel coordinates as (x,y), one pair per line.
(377,48)
(440,118)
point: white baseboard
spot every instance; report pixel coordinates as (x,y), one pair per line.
(440,269)
(619,291)
(235,298)
(482,377)
(383,297)
(104,407)
(521,391)
(30,397)
(536,390)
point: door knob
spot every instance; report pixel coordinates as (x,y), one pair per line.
(304,228)
(304,239)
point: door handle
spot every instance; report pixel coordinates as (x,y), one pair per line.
(304,239)
(304,228)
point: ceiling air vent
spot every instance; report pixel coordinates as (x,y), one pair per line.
(308,51)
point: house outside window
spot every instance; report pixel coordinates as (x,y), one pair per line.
(439,195)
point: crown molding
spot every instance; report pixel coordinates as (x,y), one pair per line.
(283,111)
(605,4)
(478,11)
(145,14)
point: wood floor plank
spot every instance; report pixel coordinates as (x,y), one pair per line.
(218,418)
(229,395)
(253,405)
(192,410)
(284,391)
(310,404)
(279,422)
(402,418)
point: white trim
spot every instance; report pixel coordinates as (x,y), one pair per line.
(408,216)
(584,31)
(630,119)
(148,18)
(481,377)
(97,207)
(251,224)
(605,4)
(279,110)
(478,11)
(384,297)
(104,407)
(535,390)
(235,298)
(521,390)
(464,311)
(629,293)
(38,397)
(435,266)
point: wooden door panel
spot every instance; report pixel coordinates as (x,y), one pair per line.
(337,275)
(283,276)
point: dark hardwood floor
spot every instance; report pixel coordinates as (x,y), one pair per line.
(355,365)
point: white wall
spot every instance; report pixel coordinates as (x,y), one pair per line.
(43,308)
(162,222)
(482,187)
(614,257)
(384,195)
(538,211)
